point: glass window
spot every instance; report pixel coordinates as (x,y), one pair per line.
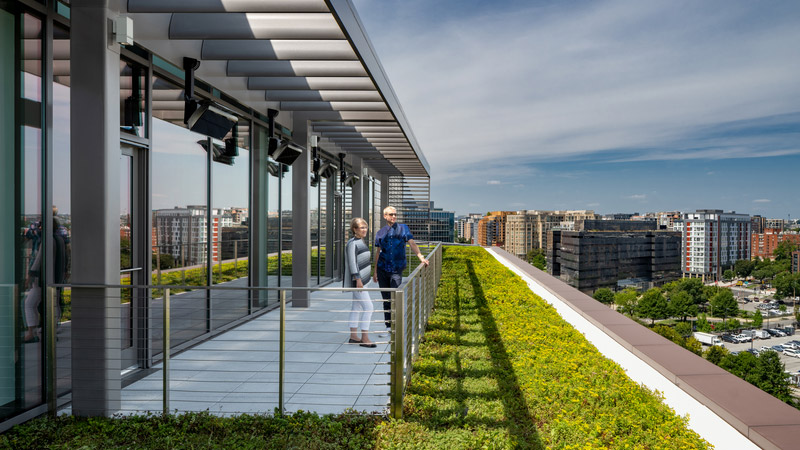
(230,240)
(178,193)
(62,209)
(286,224)
(313,206)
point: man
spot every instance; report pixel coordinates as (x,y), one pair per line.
(390,257)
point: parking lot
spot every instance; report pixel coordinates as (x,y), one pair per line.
(792,364)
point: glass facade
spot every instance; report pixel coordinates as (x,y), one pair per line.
(186,208)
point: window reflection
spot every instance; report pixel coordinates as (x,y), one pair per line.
(179,197)
(62,206)
(230,240)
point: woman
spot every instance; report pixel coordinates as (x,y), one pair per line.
(358,273)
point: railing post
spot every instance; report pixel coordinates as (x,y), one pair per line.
(282,351)
(50,350)
(398,355)
(165,353)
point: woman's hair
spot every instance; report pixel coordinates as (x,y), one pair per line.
(355,223)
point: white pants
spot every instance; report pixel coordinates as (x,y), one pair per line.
(32,300)
(361,312)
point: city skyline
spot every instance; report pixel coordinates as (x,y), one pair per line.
(610,106)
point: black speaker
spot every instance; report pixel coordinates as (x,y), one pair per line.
(284,151)
(210,121)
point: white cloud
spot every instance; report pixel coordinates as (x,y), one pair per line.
(494,182)
(637,197)
(762,200)
(553,82)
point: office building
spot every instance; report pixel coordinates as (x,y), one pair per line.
(614,254)
(713,241)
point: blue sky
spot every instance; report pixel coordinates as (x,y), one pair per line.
(615,106)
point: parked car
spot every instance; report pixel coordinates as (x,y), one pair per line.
(791,345)
(789,330)
(775,332)
(728,338)
(792,353)
(753,351)
(778,348)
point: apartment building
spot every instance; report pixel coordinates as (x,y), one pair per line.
(758,223)
(775,224)
(763,245)
(467,226)
(183,233)
(712,241)
(796,262)
(527,229)
(492,228)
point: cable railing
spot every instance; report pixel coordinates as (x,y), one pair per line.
(195,348)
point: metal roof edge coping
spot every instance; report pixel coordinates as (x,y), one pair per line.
(345,13)
(740,415)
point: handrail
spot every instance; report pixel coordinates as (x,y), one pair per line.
(412,303)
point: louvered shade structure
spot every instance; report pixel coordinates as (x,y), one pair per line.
(308,57)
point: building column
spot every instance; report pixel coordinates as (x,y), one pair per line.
(301,216)
(94,168)
(258,216)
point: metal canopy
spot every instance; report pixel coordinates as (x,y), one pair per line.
(308,57)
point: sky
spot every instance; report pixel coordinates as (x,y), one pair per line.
(614,106)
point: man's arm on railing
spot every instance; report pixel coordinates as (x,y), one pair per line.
(415,249)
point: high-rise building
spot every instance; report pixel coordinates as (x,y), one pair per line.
(527,230)
(712,241)
(775,224)
(492,228)
(183,233)
(796,262)
(758,223)
(467,226)
(764,244)
(613,253)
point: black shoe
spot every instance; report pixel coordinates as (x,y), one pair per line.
(353,341)
(370,345)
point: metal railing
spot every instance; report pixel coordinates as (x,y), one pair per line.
(271,359)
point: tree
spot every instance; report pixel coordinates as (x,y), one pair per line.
(653,305)
(786,285)
(693,287)
(536,258)
(715,353)
(165,260)
(740,365)
(684,329)
(723,304)
(744,267)
(702,324)
(604,295)
(728,274)
(758,319)
(626,301)
(784,250)
(681,305)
